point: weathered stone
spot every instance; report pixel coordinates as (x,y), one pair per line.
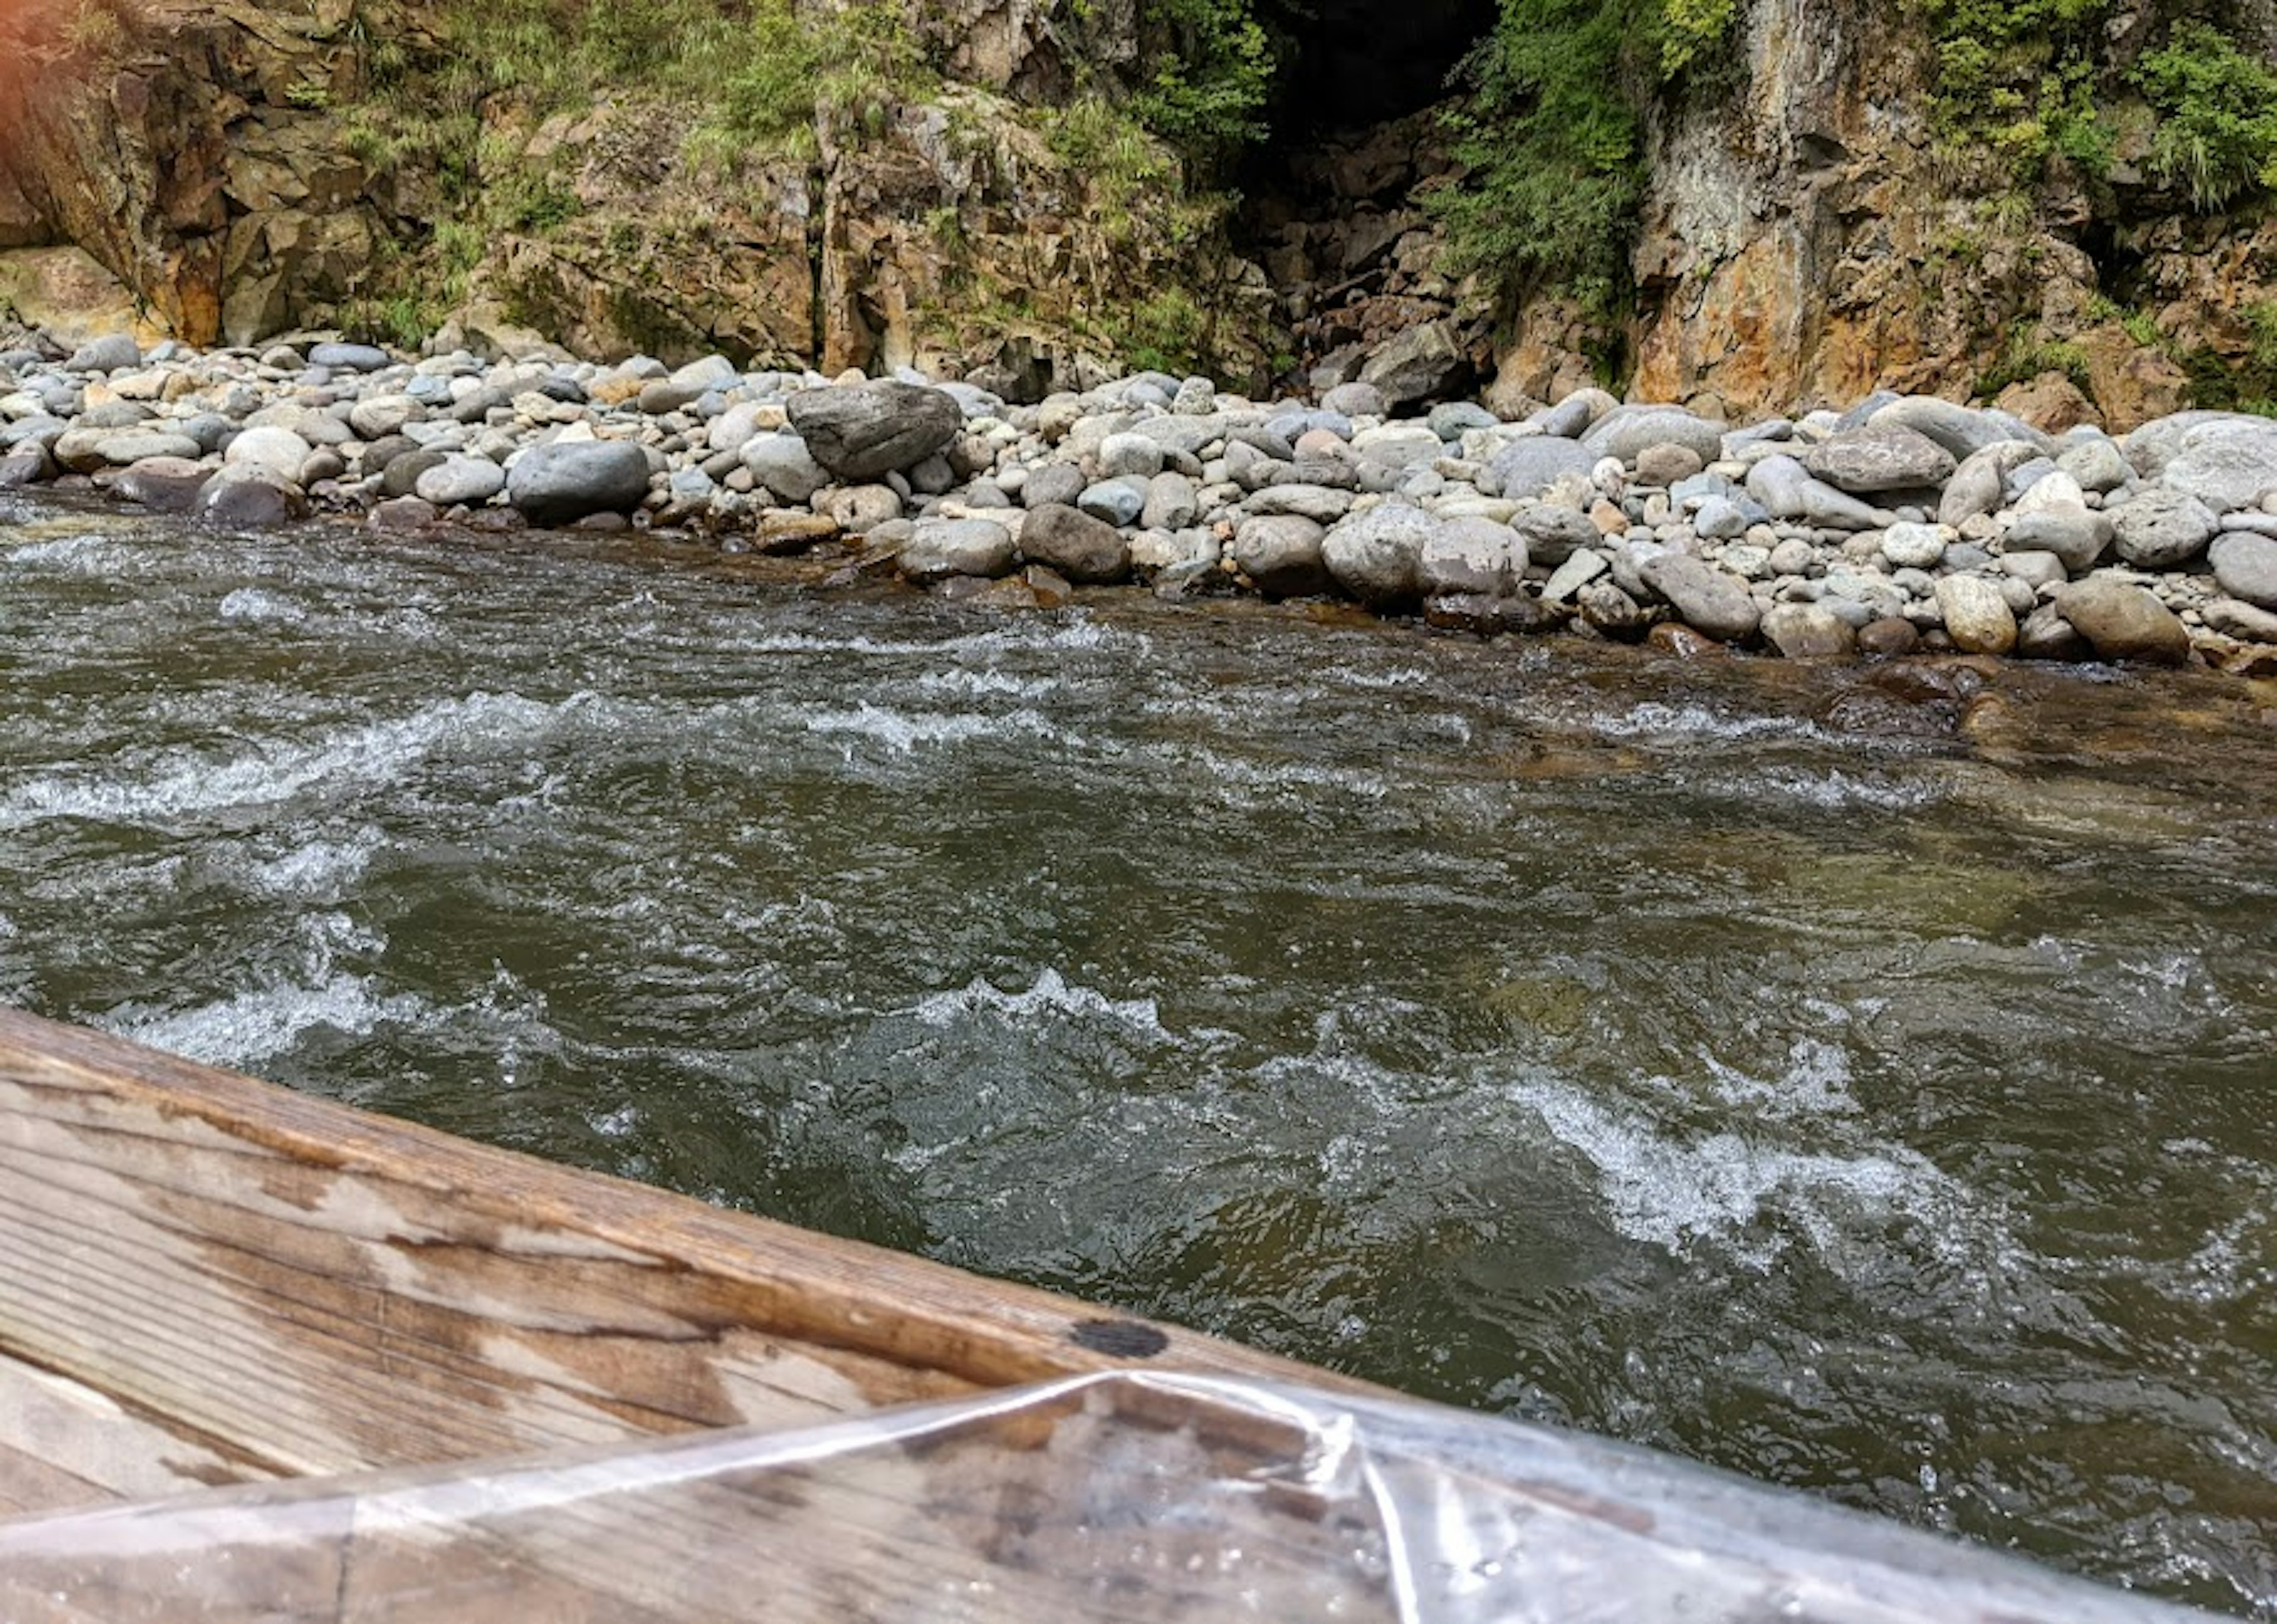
(2124,621)
(940,548)
(2235,619)
(1566,581)
(1664,465)
(1553,533)
(2098,463)
(1281,554)
(1962,432)
(112,352)
(168,485)
(1490,616)
(1977,616)
(1627,430)
(782,465)
(470,481)
(1424,363)
(1314,502)
(2046,634)
(862,431)
(382,415)
(1606,607)
(2228,466)
(1084,549)
(2245,566)
(1889,457)
(349,357)
(1709,599)
(402,476)
(1170,503)
(1354,400)
(1915,546)
(279,453)
(1471,557)
(2078,537)
(1526,468)
(1059,483)
(568,480)
(2158,527)
(247,499)
(1118,502)
(1376,555)
(1888,638)
(1808,631)
(1121,455)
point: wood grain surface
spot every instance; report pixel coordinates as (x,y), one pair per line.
(279,1285)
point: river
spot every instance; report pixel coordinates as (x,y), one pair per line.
(1843,1076)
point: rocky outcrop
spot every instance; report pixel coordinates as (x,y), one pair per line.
(1809,236)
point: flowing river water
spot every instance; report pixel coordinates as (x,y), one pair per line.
(1848,1077)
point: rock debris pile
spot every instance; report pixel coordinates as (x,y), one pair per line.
(1905,522)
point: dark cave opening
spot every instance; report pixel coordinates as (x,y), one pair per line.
(1350,65)
(1329,205)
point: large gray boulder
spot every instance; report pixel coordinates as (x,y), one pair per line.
(1280,552)
(2245,566)
(1890,457)
(1961,430)
(1709,599)
(1085,550)
(2160,527)
(2124,621)
(111,353)
(2229,466)
(2151,445)
(566,481)
(1376,555)
(869,429)
(1526,468)
(1628,429)
(1423,363)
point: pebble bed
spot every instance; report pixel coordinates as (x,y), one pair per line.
(1904,523)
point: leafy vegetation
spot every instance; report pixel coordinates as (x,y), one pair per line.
(1548,136)
(2217,130)
(1206,93)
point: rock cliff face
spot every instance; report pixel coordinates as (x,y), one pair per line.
(1806,238)
(1807,234)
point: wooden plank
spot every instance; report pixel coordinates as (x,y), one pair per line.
(315,1289)
(65,1446)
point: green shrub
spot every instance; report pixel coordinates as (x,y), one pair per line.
(1206,93)
(2217,106)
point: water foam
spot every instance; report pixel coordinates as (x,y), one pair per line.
(254,603)
(252,1026)
(1678,1192)
(902,732)
(188,782)
(1053,994)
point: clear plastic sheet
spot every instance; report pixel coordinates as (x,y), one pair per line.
(1120,1496)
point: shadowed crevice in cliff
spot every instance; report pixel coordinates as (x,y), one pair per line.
(1330,203)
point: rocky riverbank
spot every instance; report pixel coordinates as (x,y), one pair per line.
(1904,523)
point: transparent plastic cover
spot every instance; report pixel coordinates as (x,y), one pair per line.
(1121,1496)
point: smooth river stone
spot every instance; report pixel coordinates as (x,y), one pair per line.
(1376,555)
(1977,616)
(2124,621)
